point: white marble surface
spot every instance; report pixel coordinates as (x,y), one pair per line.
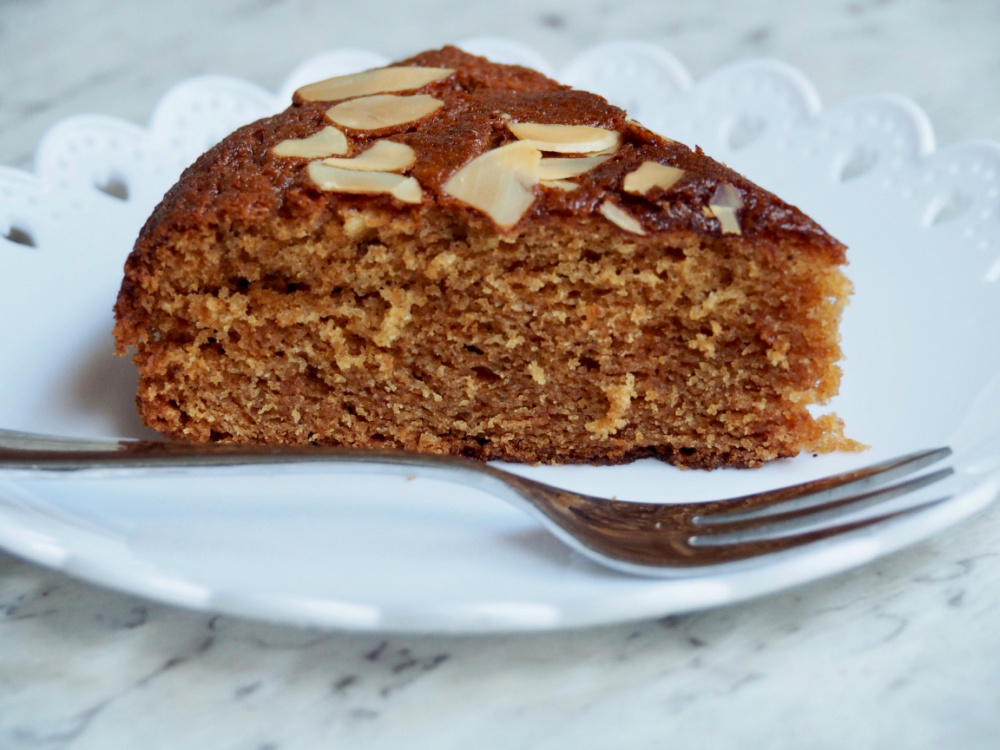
(903,654)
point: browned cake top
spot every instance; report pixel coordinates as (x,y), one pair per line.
(243,180)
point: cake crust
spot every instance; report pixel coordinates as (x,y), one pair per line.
(264,309)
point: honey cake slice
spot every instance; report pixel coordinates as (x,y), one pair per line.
(456,256)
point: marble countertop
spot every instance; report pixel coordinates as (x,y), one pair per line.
(904,653)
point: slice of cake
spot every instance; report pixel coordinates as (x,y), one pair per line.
(455,256)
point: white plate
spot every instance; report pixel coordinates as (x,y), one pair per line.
(371,552)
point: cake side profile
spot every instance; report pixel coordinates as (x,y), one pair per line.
(456,256)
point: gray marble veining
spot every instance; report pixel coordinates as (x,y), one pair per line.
(904,653)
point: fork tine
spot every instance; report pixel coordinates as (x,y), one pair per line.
(740,545)
(830,509)
(821,492)
(772,526)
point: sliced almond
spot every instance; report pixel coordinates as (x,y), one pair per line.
(383,156)
(637,124)
(651,175)
(499,182)
(565,139)
(724,203)
(618,216)
(567,185)
(378,81)
(382,110)
(327,142)
(338,180)
(560,168)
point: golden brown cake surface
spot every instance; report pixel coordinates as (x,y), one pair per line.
(692,316)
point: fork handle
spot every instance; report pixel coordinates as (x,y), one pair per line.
(32,454)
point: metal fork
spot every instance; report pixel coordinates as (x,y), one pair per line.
(639,538)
